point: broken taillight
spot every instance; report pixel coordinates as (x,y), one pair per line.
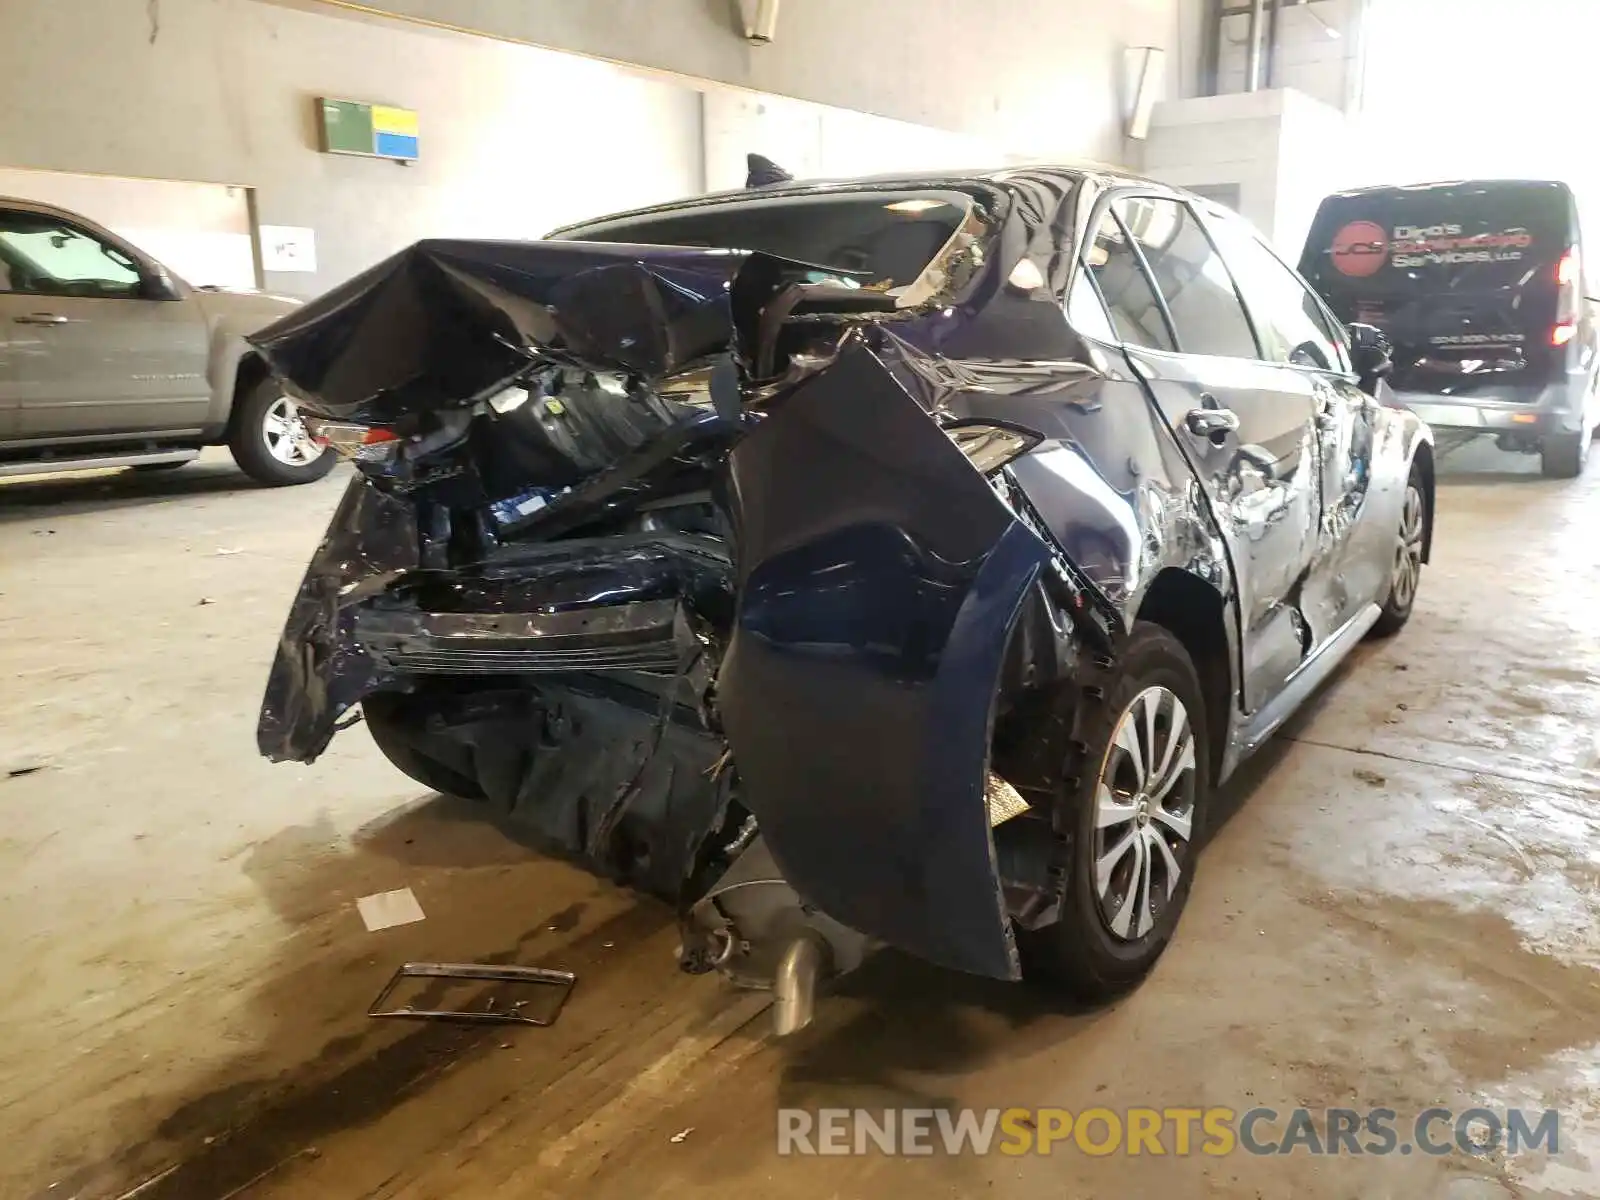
(359,443)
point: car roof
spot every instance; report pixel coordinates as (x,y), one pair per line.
(1065,172)
(55,210)
(42,206)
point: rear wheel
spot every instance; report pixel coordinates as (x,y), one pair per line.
(269,441)
(1562,455)
(1129,812)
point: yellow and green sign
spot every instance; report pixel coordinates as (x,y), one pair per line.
(373,130)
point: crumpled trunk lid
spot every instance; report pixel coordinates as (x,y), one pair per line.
(446,324)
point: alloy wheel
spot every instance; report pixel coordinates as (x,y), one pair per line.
(286,436)
(1408,551)
(1144,813)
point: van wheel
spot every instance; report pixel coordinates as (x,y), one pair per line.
(1562,455)
(269,441)
(1128,815)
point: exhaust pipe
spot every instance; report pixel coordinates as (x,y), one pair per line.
(794,986)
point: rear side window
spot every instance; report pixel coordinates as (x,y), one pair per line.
(1194,281)
(1135,311)
(1290,322)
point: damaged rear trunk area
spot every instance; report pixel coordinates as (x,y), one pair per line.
(530,585)
(660,550)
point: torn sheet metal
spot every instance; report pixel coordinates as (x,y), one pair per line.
(889,662)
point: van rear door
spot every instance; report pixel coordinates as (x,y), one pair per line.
(1467,279)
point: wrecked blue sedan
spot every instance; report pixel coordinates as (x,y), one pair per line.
(896,561)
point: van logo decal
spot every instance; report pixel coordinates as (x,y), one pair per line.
(1359,249)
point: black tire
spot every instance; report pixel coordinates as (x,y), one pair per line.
(1400,599)
(1083,954)
(251,445)
(1563,455)
(400,743)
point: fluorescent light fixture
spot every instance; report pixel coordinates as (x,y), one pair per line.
(914,206)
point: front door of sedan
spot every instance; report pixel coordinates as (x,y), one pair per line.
(87,348)
(1248,428)
(1354,553)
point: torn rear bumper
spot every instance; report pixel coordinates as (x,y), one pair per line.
(369,618)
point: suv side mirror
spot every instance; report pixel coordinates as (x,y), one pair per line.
(157,284)
(1371,354)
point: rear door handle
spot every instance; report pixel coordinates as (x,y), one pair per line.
(41,319)
(1213,423)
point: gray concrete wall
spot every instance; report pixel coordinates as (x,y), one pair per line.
(514,140)
(1037,75)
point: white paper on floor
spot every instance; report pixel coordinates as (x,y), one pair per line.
(383,910)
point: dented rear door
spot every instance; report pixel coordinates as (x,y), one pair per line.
(879,578)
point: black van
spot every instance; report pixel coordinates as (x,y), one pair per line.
(1479,284)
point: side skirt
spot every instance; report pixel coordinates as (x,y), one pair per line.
(1302,683)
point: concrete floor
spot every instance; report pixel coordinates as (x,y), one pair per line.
(1400,912)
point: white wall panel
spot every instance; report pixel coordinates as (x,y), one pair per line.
(514,139)
(814,141)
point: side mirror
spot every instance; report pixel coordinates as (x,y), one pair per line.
(157,284)
(1371,354)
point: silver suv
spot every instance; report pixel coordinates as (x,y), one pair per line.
(109,359)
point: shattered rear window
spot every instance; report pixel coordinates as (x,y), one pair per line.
(892,236)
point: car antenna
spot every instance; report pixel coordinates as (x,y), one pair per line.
(763,172)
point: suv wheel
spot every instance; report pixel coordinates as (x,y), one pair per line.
(270,443)
(1129,812)
(1562,455)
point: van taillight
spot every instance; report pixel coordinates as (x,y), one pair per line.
(1567,299)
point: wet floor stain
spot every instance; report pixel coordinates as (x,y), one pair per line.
(238,1134)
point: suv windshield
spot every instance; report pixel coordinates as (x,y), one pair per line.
(891,236)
